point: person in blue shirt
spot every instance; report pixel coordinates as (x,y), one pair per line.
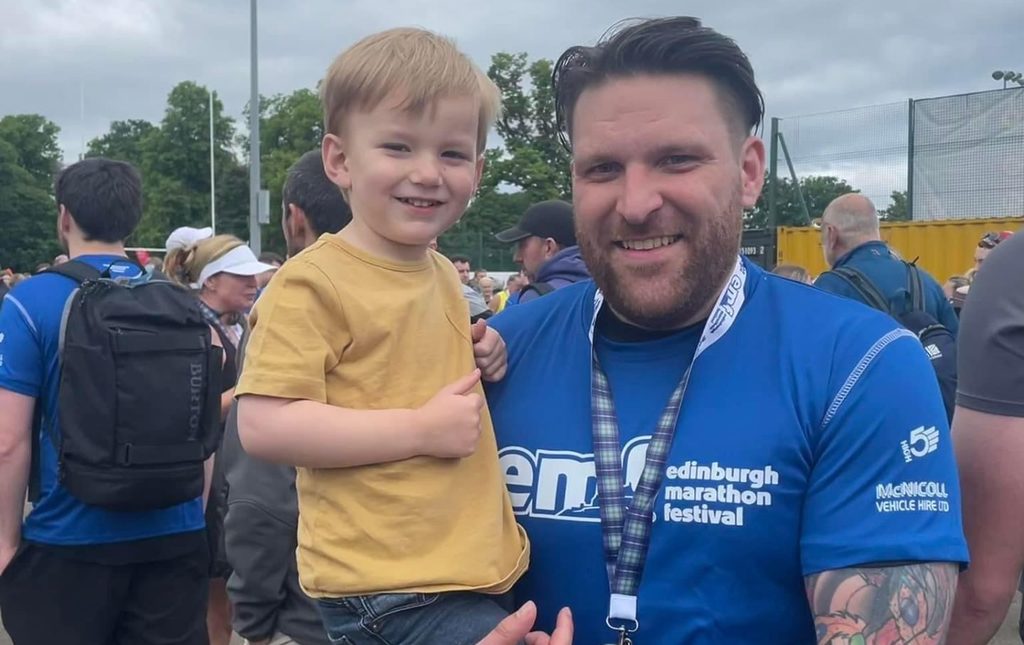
(72,573)
(702,452)
(850,237)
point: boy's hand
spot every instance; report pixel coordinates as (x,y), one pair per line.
(489,350)
(452,419)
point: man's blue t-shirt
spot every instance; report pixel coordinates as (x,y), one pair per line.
(30,365)
(812,437)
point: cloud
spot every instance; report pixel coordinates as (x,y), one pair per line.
(810,56)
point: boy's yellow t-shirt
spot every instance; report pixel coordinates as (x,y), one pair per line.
(339,326)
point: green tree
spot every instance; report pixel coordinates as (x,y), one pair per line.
(818,191)
(174,160)
(27,212)
(898,210)
(531,165)
(536,161)
(125,141)
(290,126)
(34,139)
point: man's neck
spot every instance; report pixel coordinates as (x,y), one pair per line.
(845,250)
(696,317)
(78,248)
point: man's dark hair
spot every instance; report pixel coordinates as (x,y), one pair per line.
(659,46)
(308,187)
(103,196)
(460,258)
(269,257)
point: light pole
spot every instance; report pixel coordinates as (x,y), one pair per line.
(213,192)
(1008,75)
(254,137)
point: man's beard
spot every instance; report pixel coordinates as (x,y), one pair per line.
(657,299)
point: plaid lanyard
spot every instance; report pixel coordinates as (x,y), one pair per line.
(626,529)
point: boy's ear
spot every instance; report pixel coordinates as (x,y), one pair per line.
(335,161)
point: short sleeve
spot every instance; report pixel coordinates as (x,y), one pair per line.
(298,335)
(990,350)
(21,350)
(883,485)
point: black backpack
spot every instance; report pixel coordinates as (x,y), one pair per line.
(938,342)
(139,394)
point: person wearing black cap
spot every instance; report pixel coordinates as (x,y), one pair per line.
(546,248)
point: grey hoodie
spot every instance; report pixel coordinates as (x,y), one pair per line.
(260,540)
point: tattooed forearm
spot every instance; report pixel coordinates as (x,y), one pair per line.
(890,605)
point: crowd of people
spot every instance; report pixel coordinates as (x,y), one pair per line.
(642,436)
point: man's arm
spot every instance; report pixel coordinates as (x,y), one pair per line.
(890,605)
(15,461)
(990,451)
(947,316)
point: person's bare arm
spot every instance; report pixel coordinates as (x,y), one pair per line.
(15,462)
(990,453)
(317,435)
(890,605)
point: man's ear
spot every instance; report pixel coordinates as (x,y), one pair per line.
(752,161)
(550,246)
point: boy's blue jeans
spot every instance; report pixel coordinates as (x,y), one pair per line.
(452,618)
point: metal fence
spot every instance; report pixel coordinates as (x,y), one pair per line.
(483,250)
(952,157)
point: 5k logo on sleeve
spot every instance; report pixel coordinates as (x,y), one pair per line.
(923,441)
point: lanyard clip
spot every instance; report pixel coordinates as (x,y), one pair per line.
(624,630)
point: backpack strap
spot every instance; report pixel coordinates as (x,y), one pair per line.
(866,289)
(34,477)
(76,270)
(79,272)
(541,288)
(915,286)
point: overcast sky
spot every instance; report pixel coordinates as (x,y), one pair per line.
(809,55)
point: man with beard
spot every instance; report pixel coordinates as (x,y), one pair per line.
(765,455)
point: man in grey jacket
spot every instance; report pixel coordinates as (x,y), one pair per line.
(262,517)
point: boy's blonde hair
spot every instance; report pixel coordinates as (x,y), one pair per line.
(420,64)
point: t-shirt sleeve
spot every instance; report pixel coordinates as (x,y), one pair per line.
(883,485)
(990,350)
(21,352)
(299,334)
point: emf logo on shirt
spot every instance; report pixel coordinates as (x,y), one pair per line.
(923,441)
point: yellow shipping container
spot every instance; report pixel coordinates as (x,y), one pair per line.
(944,248)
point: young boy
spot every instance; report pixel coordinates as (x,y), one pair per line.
(360,369)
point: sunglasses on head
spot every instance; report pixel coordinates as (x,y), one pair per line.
(990,240)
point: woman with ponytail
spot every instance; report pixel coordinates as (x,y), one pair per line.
(222,270)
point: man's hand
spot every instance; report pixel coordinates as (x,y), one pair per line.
(489,350)
(452,419)
(516,629)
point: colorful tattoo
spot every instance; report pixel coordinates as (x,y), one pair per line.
(894,605)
